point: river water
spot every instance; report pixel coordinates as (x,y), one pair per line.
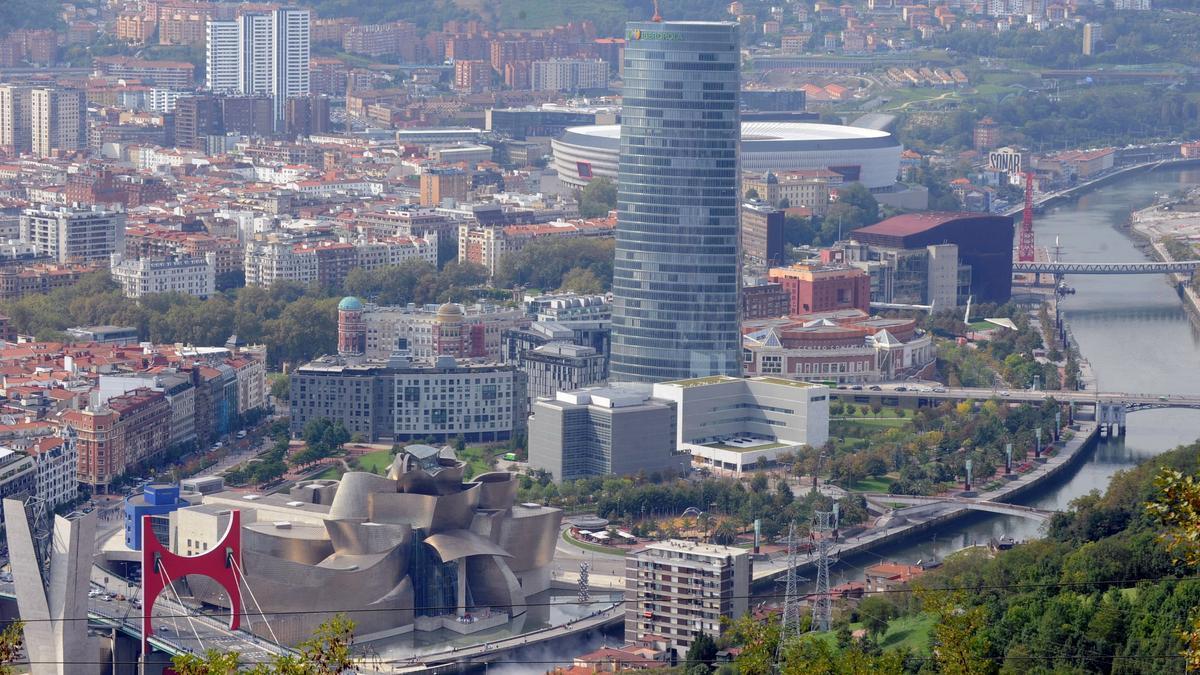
(1138,338)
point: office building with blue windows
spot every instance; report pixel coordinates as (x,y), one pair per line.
(677,271)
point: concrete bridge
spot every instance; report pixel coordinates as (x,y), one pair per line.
(1040,515)
(1106,408)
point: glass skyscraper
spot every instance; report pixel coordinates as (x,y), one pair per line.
(677,270)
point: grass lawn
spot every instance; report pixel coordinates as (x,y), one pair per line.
(873,484)
(909,632)
(332,473)
(375,462)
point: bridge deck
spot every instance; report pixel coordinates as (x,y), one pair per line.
(1105,268)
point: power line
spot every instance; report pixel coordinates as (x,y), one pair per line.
(762,596)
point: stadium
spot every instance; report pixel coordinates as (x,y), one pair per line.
(869,156)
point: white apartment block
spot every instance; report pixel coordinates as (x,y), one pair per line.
(260,53)
(417,330)
(730,422)
(680,590)
(221,51)
(56,459)
(397,250)
(569,75)
(74,234)
(58,121)
(270,261)
(190,275)
(16,118)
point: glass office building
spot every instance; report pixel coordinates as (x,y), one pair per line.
(676,275)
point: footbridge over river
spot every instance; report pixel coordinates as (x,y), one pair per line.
(1105,408)
(972,504)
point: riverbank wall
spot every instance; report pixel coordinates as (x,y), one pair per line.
(934,516)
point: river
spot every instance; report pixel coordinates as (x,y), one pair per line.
(1138,338)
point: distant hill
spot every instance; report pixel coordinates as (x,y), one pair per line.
(609,16)
(15,14)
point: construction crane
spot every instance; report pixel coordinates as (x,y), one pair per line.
(1025,245)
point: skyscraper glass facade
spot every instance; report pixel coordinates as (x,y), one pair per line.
(676,275)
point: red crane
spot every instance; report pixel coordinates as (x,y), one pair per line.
(1025,246)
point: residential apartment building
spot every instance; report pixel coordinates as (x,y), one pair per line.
(16,118)
(430,331)
(439,184)
(398,38)
(188,275)
(17,282)
(177,75)
(762,234)
(112,438)
(18,475)
(400,400)
(328,262)
(56,464)
(569,75)
(800,188)
(680,590)
(562,366)
(74,234)
(261,53)
(487,245)
(58,121)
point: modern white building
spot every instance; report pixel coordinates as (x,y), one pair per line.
(260,53)
(569,74)
(730,423)
(190,275)
(680,590)
(74,234)
(583,153)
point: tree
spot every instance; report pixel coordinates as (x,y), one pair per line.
(213,662)
(327,652)
(583,281)
(752,195)
(701,653)
(959,635)
(12,641)
(1177,507)
(280,386)
(597,198)
(875,612)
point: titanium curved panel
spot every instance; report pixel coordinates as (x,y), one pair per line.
(284,586)
(307,545)
(353,495)
(457,544)
(498,489)
(430,512)
(494,585)
(354,538)
(530,535)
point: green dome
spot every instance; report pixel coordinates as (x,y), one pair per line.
(350,303)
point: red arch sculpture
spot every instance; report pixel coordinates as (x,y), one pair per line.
(216,564)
